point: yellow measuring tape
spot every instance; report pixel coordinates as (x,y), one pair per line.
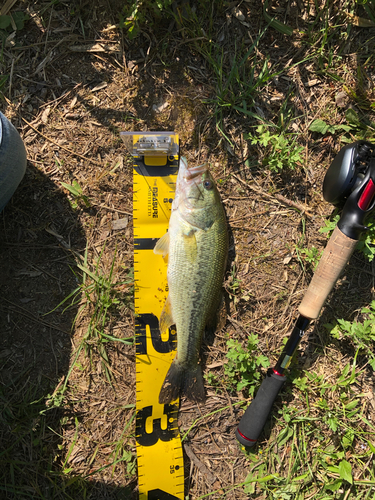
(159,451)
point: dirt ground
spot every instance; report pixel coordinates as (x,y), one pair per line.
(74,81)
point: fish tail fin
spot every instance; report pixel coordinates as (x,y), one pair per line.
(171,388)
(193,385)
(182,380)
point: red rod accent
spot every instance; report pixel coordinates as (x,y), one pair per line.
(367,196)
(247,439)
(276,372)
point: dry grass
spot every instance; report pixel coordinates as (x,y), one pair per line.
(74,81)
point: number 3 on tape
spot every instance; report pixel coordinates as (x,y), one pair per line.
(159,452)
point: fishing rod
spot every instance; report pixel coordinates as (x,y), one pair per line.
(349,181)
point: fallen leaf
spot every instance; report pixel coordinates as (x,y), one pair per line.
(288,258)
(96,47)
(25,272)
(45,114)
(238,14)
(158,108)
(100,86)
(361,22)
(312,83)
(341,99)
(217,364)
(74,102)
(119,224)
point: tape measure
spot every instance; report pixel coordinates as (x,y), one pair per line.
(159,450)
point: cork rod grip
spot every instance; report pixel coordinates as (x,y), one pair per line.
(334,259)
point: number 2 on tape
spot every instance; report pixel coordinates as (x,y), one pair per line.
(160,345)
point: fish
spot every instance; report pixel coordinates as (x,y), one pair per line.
(196,248)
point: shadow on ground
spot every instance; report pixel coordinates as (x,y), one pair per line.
(38,236)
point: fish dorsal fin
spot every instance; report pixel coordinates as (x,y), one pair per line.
(162,246)
(166,318)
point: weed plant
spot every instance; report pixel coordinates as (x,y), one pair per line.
(361,334)
(135,14)
(77,195)
(281,149)
(311,256)
(243,368)
(356,128)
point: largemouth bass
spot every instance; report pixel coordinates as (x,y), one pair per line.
(197,246)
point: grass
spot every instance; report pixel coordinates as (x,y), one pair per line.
(281,150)
(243,368)
(102,295)
(330,444)
(361,334)
(98,296)
(77,194)
(33,417)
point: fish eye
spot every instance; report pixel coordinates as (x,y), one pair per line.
(208,184)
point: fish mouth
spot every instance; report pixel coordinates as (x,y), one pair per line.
(190,175)
(194,172)
(187,186)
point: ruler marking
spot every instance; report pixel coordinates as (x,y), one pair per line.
(157,441)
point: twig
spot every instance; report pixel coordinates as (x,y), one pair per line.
(48,58)
(211,478)
(280,198)
(114,209)
(11,78)
(6,8)
(291,295)
(26,313)
(59,145)
(48,28)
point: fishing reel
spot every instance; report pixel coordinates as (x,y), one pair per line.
(350,181)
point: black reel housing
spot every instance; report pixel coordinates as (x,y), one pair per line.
(350,181)
(346,171)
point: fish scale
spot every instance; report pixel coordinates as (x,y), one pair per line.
(202,286)
(197,247)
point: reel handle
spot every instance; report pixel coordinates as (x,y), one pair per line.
(335,257)
(255,416)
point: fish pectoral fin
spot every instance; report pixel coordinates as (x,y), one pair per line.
(190,245)
(189,232)
(162,246)
(166,319)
